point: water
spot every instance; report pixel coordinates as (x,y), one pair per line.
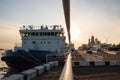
(67,73)
(2,64)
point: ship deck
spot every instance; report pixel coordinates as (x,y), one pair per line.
(86,73)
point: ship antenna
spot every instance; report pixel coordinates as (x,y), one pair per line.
(106,39)
(15,39)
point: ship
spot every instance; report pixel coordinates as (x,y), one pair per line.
(36,43)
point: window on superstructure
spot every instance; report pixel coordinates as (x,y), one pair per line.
(24,34)
(21,34)
(36,34)
(28,34)
(40,34)
(45,33)
(34,42)
(58,34)
(48,42)
(41,42)
(55,33)
(52,33)
(48,33)
(44,42)
(33,34)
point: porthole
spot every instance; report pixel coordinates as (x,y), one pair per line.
(34,42)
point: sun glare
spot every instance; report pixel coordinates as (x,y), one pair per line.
(75,32)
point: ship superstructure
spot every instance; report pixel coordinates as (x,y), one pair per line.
(46,38)
(37,43)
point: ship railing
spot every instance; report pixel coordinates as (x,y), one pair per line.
(55,57)
(3,52)
(6,51)
(43,27)
(18,45)
(67,73)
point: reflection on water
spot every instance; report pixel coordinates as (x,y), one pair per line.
(2,65)
(67,70)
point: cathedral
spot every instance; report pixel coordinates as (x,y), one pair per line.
(93,41)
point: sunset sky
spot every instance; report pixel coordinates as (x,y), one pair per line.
(100,18)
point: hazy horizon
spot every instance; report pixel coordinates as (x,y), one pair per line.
(100,18)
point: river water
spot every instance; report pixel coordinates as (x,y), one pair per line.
(2,65)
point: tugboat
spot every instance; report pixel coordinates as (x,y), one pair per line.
(37,42)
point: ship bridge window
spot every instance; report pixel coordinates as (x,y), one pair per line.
(48,42)
(42,34)
(48,33)
(22,34)
(25,34)
(33,34)
(36,34)
(44,42)
(52,33)
(29,34)
(45,33)
(58,34)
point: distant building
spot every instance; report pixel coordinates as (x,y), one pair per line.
(94,44)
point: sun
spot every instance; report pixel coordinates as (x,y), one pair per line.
(75,32)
